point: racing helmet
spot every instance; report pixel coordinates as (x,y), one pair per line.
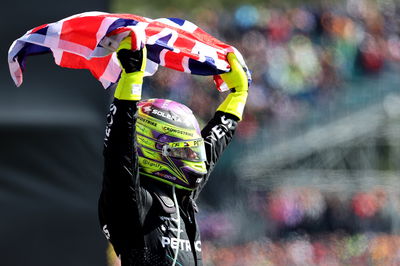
(169,144)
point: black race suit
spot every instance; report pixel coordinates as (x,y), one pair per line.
(136,213)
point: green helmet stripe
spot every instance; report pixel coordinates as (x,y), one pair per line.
(146,141)
(199,166)
(153,154)
(178,171)
(145,125)
(156,166)
(152,164)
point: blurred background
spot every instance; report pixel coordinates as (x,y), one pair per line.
(312,177)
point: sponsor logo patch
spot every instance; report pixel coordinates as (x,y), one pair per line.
(182,244)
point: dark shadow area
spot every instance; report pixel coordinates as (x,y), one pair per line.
(51,134)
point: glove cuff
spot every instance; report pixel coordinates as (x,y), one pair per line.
(130,86)
(234,104)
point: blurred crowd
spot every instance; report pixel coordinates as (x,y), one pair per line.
(328,249)
(316,210)
(284,210)
(300,57)
(307,226)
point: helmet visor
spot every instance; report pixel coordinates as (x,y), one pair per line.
(190,150)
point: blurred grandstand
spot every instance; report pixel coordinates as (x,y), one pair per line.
(314,172)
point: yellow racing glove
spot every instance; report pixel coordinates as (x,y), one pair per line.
(237,81)
(133,64)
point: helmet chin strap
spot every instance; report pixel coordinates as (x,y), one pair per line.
(179,225)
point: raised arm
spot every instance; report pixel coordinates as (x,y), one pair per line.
(219,131)
(120,197)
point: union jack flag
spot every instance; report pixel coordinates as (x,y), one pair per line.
(89,40)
